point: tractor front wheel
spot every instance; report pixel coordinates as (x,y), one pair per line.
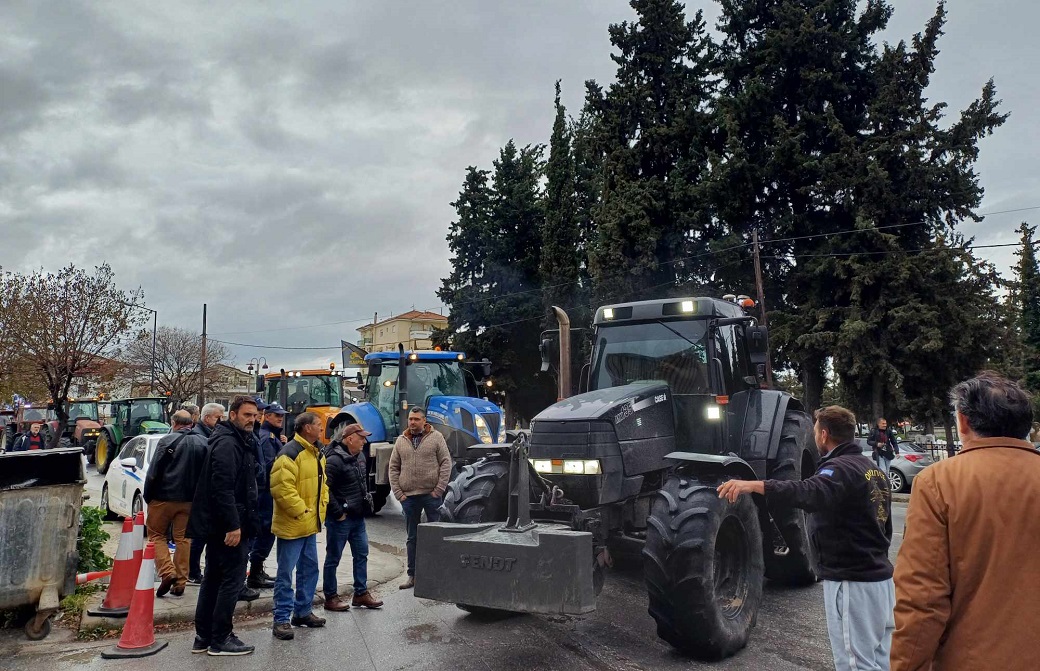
(703,567)
(104,452)
(478,494)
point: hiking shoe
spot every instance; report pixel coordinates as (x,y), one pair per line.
(258,578)
(283,631)
(199,646)
(336,603)
(248,594)
(230,647)
(308,620)
(164,586)
(407,584)
(365,600)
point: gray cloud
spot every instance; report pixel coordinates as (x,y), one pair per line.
(293,164)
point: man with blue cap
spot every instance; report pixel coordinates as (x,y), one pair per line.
(269,441)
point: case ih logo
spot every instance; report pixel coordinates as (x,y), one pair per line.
(486,563)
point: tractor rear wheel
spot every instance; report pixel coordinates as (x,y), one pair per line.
(790,559)
(703,567)
(104,452)
(478,494)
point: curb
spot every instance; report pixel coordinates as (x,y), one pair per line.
(900,498)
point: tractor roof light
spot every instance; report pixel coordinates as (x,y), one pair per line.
(413,356)
(489,384)
(687,306)
(460,357)
(608,313)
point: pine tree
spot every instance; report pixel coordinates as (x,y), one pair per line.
(652,127)
(1027,295)
(559,265)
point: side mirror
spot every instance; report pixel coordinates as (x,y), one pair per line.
(485,368)
(545,348)
(758,346)
(360,380)
(129,463)
(375,369)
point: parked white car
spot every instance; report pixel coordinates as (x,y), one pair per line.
(123,492)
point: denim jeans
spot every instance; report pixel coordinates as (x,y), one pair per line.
(883,464)
(300,554)
(338,534)
(413,507)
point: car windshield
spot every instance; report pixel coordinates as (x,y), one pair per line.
(674,352)
(83,411)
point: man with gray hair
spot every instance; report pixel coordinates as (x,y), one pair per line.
(169,488)
(192,410)
(967,577)
(211,414)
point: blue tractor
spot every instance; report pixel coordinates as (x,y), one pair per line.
(443,384)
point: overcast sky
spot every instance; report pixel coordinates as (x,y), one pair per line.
(292,164)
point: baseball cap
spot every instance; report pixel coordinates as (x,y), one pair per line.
(274,409)
(355,428)
(260,405)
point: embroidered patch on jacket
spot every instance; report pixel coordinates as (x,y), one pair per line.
(827,471)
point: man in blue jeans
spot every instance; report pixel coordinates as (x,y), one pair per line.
(419,469)
(349,502)
(301,496)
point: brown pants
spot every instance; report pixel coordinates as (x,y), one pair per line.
(161,514)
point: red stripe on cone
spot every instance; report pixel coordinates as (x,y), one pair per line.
(138,638)
(124,576)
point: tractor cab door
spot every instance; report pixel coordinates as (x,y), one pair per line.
(121,417)
(381,390)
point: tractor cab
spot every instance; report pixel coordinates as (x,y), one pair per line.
(83,426)
(130,417)
(314,390)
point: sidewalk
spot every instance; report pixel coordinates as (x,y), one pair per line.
(385,564)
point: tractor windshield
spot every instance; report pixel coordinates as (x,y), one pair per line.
(146,410)
(674,352)
(426,379)
(308,390)
(83,411)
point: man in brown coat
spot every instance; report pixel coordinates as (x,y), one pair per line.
(967,577)
(419,469)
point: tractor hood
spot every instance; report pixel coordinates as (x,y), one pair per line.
(615,404)
(149,426)
(461,413)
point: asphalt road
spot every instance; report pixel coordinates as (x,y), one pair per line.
(414,633)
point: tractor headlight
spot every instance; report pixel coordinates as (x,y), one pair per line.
(573,467)
(483,432)
(542,465)
(567,466)
(714,412)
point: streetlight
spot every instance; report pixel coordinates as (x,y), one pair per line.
(260,364)
(155,323)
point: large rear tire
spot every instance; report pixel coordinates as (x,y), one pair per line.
(703,567)
(478,494)
(104,452)
(790,559)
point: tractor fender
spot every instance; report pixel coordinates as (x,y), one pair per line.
(763,423)
(715,463)
(367,416)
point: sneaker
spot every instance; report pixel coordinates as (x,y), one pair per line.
(308,620)
(199,646)
(365,600)
(230,647)
(283,631)
(248,594)
(164,586)
(194,581)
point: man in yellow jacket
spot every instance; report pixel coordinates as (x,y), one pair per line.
(300,495)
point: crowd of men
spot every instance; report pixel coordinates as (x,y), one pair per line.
(966,584)
(237,488)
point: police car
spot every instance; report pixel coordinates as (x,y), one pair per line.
(123,491)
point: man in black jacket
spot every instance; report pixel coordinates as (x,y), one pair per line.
(851,530)
(224,515)
(211,414)
(882,440)
(349,502)
(169,488)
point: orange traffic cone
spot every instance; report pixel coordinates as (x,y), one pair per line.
(124,575)
(138,639)
(139,535)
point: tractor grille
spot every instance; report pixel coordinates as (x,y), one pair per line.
(492,421)
(575,440)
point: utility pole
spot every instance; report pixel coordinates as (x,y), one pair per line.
(202,369)
(762,303)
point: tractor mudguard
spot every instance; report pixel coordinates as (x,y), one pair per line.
(716,463)
(547,568)
(367,416)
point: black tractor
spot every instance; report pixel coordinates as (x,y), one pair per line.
(674,404)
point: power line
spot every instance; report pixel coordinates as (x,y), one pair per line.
(898,251)
(242,344)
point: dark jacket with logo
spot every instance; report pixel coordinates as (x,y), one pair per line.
(851,521)
(175,468)
(225,498)
(28,442)
(348,484)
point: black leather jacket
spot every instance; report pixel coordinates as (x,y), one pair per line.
(225,499)
(348,483)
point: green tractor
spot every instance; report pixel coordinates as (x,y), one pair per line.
(130,417)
